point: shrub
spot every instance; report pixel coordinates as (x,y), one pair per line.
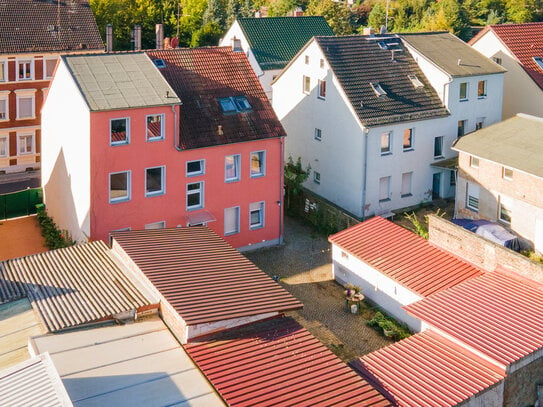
(382,322)
(54,238)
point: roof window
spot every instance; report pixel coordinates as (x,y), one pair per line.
(159,63)
(539,61)
(235,104)
(415,81)
(379,91)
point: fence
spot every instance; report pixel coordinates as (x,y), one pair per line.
(22,203)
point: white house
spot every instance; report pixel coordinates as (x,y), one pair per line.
(517,47)
(271,42)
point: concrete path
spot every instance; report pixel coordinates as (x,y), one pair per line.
(20,237)
(304,266)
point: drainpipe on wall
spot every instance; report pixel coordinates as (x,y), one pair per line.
(281,188)
(176,142)
(365,177)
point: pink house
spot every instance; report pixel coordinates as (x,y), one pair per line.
(163,139)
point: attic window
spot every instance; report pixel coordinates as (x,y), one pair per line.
(415,81)
(234,104)
(379,91)
(159,63)
(242,103)
(539,61)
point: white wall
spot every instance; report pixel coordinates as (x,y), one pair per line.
(66,155)
(382,290)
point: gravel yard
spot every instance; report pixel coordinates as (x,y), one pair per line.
(304,266)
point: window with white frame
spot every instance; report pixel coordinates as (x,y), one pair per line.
(479,122)
(4,106)
(408,135)
(231,168)
(3,71)
(386,147)
(498,60)
(119,131)
(119,186)
(4,145)
(306,84)
(155,181)
(156,225)
(258,164)
(474,162)
(481,89)
(505,205)
(507,173)
(195,168)
(25,70)
(438,147)
(25,143)
(463,94)
(316,177)
(406,184)
(256,215)
(318,134)
(231,220)
(155,127)
(322,89)
(25,104)
(49,65)
(195,195)
(472,196)
(384,189)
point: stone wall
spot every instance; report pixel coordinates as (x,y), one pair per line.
(521,386)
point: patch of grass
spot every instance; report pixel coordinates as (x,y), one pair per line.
(388,326)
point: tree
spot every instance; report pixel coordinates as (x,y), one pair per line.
(209,34)
(377,17)
(336,14)
(214,13)
(295,176)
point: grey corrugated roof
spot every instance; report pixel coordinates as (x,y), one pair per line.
(451,54)
(34,382)
(516,142)
(139,364)
(75,285)
(120,81)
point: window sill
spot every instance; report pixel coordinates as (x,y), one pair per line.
(194,208)
(384,200)
(256,227)
(406,195)
(231,233)
(463,100)
(124,143)
(26,118)
(321,97)
(481,97)
(406,150)
(152,194)
(438,157)
(119,201)
(191,175)
(257,175)
(150,140)
(385,154)
(230,181)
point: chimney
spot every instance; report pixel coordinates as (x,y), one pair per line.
(159,34)
(167,43)
(219,130)
(368,31)
(258,14)
(236,44)
(298,12)
(109,38)
(137,37)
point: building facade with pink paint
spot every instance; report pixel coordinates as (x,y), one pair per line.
(163,139)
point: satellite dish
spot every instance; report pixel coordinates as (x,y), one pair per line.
(175,42)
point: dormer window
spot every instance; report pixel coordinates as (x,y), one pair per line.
(159,63)
(379,91)
(539,61)
(234,104)
(415,81)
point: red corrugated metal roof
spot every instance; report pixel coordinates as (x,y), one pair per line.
(279,363)
(428,370)
(403,256)
(202,276)
(498,314)
(524,41)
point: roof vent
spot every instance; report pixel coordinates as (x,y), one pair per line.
(415,81)
(219,130)
(379,91)
(459,62)
(159,63)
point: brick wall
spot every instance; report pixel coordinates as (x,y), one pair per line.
(479,251)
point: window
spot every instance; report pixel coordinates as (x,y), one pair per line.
(377,89)
(479,122)
(452,179)
(322,89)
(384,189)
(507,173)
(154,181)
(25,144)
(481,89)
(462,124)
(504,209)
(3,71)
(155,127)
(258,164)
(539,61)
(4,146)
(497,60)
(474,162)
(316,177)
(227,105)
(159,63)
(49,65)
(472,196)
(306,59)
(321,63)
(231,220)
(231,168)
(119,131)
(24,70)
(438,147)
(318,134)
(306,83)
(25,105)
(256,215)
(4,106)
(119,186)
(195,195)
(385,143)
(242,104)
(463,91)
(156,225)
(408,139)
(196,167)
(234,104)
(406,184)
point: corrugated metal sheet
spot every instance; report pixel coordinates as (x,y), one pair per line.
(428,370)
(202,276)
(403,256)
(498,314)
(34,382)
(279,363)
(74,285)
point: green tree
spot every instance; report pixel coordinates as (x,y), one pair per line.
(336,14)
(215,13)
(448,15)
(209,34)
(519,11)
(377,16)
(295,176)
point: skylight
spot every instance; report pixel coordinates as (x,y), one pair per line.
(159,63)
(379,91)
(242,103)
(227,105)
(234,104)
(539,61)
(415,81)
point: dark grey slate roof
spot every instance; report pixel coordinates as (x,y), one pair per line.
(359,60)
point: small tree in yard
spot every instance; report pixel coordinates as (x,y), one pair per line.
(295,175)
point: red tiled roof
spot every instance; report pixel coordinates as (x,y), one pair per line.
(498,314)
(525,41)
(403,256)
(33,26)
(428,370)
(279,363)
(200,76)
(202,276)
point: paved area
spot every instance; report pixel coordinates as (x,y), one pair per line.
(304,266)
(20,237)
(19,181)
